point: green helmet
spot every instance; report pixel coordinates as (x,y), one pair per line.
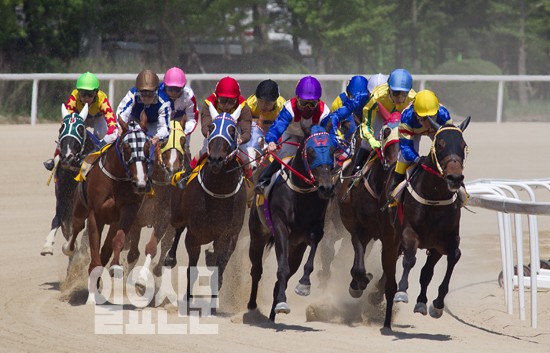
(87,81)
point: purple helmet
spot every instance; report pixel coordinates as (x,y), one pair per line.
(309,88)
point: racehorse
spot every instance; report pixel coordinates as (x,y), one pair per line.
(74,143)
(213,204)
(361,200)
(293,218)
(169,159)
(111,194)
(429,215)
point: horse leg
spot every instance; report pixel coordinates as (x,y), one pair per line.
(283,272)
(390,254)
(133,244)
(107,248)
(47,248)
(425,277)
(410,244)
(360,278)
(303,287)
(193,252)
(78,225)
(223,249)
(95,261)
(170,258)
(165,243)
(326,247)
(255,254)
(436,309)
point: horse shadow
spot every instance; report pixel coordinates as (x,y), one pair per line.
(257,319)
(399,335)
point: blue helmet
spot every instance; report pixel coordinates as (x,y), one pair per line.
(400,80)
(356,85)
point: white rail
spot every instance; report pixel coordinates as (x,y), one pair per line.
(421,79)
(501,195)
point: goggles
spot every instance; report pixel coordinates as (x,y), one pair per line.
(225,100)
(84,93)
(399,93)
(307,103)
(174,89)
(147,94)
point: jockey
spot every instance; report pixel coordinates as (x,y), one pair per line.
(298,114)
(182,101)
(226,99)
(265,104)
(100,114)
(357,85)
(395,95)
(414,123)
(146,98)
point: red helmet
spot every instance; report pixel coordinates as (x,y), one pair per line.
(228,87)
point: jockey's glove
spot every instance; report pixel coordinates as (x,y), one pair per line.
(374,143)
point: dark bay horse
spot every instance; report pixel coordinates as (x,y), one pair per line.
(212,205)
(74,143)
(155,211)
(293,220)
(111,194)
(430,217)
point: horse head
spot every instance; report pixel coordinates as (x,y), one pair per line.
(72,137)
(170,153)
(318,156)
(449,151)
(133,149)
(222,138)
(389,137)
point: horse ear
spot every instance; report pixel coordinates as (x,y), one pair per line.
(237,112)
(84,112)
(434,124)
(463,125)
(213,112)
(143,120)
(122,124)
(64,111)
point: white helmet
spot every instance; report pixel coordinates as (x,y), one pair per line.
(376,80)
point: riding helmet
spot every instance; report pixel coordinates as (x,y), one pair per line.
(87,81)
(267,90)
(426,103)
(309,88)
(175,77)
(400,80)
(228,87)
(147,80)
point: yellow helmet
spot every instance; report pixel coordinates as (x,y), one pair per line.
(426,103)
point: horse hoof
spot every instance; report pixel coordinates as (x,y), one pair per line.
(282,308)
(435,312)
(116,271)
(302,289)
(67,250)
(91,299)
(421,308)
(401,297)
(170,261)
(47,250)
(355,293)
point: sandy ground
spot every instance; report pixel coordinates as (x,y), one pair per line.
(41,311)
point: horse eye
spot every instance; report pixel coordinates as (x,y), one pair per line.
(440,144)
(80,130)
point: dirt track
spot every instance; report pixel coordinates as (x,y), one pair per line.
(41,312)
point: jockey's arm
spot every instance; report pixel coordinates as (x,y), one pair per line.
(206,119)
(245,124)
(164,113)
(279,126)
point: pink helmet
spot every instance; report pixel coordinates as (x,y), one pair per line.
(175,77)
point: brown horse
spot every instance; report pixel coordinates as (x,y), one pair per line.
(169,159)
(212,205)
(111,194)
(431,214)
(293,220)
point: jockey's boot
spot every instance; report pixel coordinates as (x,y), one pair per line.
(360,159)
(49,164)
(397,179)
(265,177)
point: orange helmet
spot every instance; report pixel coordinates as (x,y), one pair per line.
(228,87)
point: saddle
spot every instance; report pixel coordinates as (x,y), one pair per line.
(89,162)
